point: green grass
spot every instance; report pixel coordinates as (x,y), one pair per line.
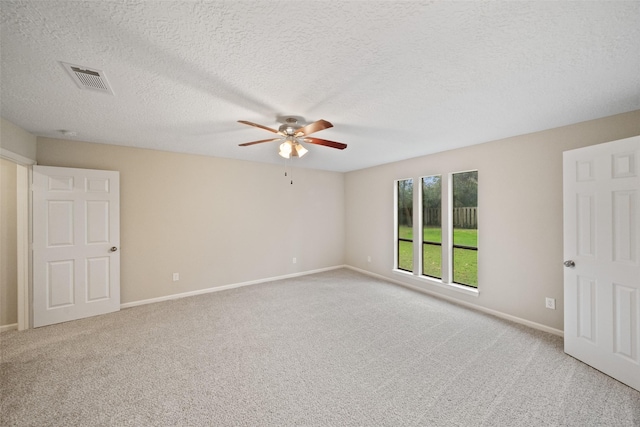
(465,261)
(465,237)
(405,232)
(432,234)
(465,267)
(405,256)
(432,260)
(461,236)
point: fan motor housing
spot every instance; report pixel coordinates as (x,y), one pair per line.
(289,129)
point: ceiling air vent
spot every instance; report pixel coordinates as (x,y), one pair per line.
(88,78)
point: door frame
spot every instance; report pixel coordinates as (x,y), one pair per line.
(23,229)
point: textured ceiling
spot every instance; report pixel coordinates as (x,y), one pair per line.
(398,79)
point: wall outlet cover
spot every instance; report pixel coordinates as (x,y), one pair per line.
(550,303)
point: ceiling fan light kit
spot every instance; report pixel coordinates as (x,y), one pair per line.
(290,132)
(291,147)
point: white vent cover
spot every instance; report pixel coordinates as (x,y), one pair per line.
(88,78)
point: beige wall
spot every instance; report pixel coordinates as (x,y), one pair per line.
(520,201)
(215,221)
(220,221)
(8,251)
(17,140)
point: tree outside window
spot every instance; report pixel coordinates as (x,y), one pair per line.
(405,225)
(465,228)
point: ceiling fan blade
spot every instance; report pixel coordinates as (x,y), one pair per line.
(313,127)
(258,142)
(244,122)
(326,143)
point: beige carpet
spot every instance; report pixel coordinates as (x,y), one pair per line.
(331,349)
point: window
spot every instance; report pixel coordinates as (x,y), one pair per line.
(405,225)
(432,226)
(465,228)
(445,239)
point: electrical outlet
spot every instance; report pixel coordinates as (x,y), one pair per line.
(550,303)
(176,277)
(369,258)
(294,260)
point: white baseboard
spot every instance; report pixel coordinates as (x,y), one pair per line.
(225,287)
(534,325)
(499,314)
(6,328)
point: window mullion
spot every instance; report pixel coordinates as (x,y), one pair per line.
(417,227)
(447,229)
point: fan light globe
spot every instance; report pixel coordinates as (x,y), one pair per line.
(285,149)
(300,150)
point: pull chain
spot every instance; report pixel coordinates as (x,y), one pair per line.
(286,163)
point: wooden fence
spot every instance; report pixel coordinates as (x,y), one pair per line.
(465,217)
(462,217)
(432,217)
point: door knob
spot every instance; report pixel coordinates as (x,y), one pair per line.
(569,264)
(113,249)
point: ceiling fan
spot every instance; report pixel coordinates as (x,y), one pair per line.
(292,134)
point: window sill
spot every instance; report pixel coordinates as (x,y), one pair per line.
(439,283)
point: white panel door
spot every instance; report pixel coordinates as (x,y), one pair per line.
(602,259)
(76,237)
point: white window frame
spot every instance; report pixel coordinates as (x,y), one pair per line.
(446,281)
(396,237)
(443,229)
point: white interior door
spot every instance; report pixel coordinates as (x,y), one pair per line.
(602,267)
(76,237)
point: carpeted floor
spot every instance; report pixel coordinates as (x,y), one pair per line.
(331,349)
